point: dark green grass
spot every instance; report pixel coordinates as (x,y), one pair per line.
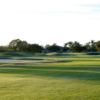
(79,72)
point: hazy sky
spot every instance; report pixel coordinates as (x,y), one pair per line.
(49,21)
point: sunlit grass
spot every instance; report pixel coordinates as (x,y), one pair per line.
(54,78)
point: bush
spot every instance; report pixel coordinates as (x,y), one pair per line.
(93,53)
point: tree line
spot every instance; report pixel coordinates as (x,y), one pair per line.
(24,46)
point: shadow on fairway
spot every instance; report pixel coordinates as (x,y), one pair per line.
(86,73)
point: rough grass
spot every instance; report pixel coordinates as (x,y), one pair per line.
(57,77)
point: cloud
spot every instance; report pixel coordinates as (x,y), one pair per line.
(94,8)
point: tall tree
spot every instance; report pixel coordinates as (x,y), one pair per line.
(74,46)
(35,48)
(98,46)
(53,48)
(18,45)
(91,46)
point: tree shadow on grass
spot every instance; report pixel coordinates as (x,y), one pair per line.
(85,73)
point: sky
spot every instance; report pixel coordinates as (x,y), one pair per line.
(49,21)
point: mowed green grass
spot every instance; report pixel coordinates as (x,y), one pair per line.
(75,77)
